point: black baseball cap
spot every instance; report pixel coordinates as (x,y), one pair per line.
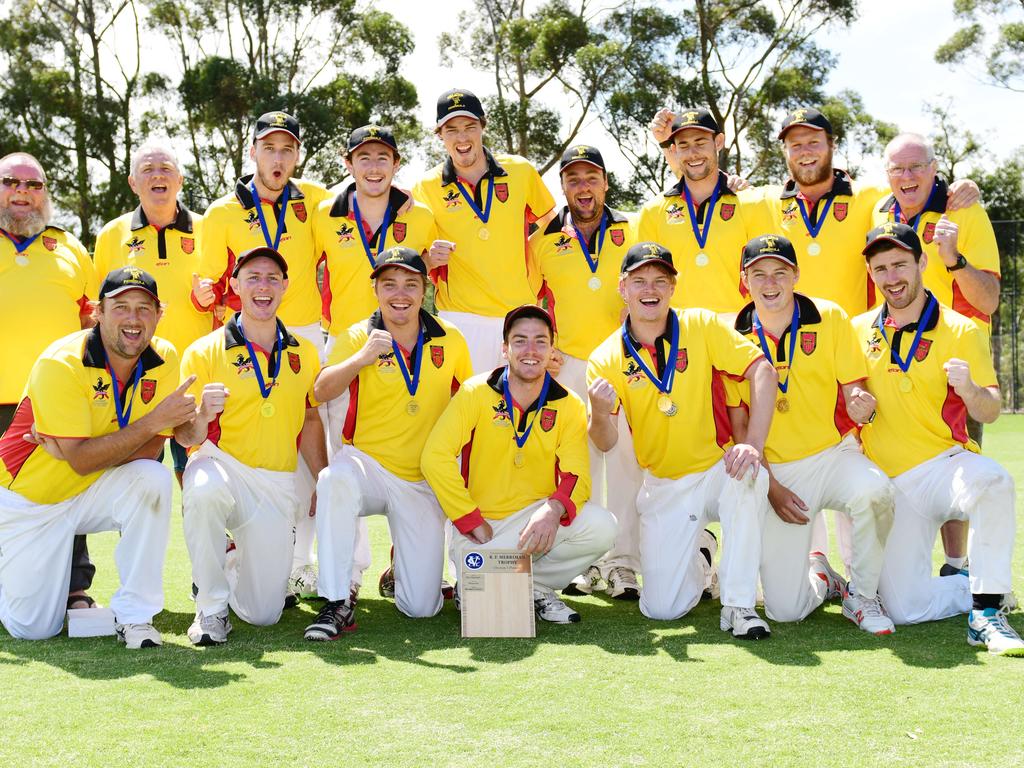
(698,118)
(807,117)
(369,133)
(582,153)
(276,121)
(129,278)
(401,257)
(255,253)
(894,233)
(768,247)
(526,310)
(645,253)
(458,102)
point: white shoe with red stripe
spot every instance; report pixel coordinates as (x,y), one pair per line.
(868,614)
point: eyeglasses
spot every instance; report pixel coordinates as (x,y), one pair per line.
(12,183)
(913,169)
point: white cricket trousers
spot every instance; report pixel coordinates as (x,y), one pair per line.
(355,485)
(483,336)
(577,546)
(955,485)
(839,478)
(36,541)
(672,515)
(615,477)
(305,525)
(258,507)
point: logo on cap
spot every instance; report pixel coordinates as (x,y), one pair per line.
(278,119)
(373,130)
(456,101)
(889,228)
(652,249)
(134,275)
(770,242)
(582,150)
(689,118)
(799,115)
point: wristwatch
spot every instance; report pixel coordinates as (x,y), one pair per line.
(961,262)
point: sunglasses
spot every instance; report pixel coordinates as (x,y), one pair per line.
(12,183)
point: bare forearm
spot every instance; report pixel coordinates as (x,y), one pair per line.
(603,431)
(983,404)
(193,432)
(763,390)
(313,445)
(150,450)
(980,288)
(335,379)
(99,453)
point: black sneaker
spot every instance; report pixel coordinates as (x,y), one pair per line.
(334,618)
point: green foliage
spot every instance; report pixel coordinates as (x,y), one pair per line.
(993,30)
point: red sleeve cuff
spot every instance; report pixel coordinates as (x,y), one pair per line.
(467,523)
(570,507)
(197,305)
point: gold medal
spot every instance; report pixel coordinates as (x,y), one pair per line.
(594,283)
(21,261)
(906,384)
(412,407)
(267,409)
(782,405)
(519,460)
(666,406)
(813,249)
(484,233)
(702,259)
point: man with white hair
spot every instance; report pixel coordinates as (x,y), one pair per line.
(46,279)
(159,236)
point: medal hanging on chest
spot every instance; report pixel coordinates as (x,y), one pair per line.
(267,408)
(906,384)
(594,283)
(813,227)
(285,196)
(411,377)
(519,457)
(782,402)
(485,215)
(663,383)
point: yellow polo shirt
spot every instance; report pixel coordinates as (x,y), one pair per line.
(231,226)
(171,255)
(826,357)
(243,429)
(476,429)
(69,395)
(709,277)
(486,274)
(348,292)
(695,437)
(913,427)
(42,293)
(379,420)
(976,241)
(585,310)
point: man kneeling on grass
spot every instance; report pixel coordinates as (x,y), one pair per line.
(525,474)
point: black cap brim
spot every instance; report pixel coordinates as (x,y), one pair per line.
(526,311)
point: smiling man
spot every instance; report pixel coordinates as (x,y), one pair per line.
(509,464)
(79,458)
(399,368)
(254,383)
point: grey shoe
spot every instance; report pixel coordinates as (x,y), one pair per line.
(209,630)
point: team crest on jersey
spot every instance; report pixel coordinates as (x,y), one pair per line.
(563,243)
(344,233)
(294,362)
(147,388)
(789,212)
(727,210)
(100,391)
(188,244)
(923,348)
(299,209)
(136,246)
(929,231)
(386,363)
(501,414)
(808,341)
(242,364)
(633,373)
(51,244)
(501,192)
(547,418)
(437,355)
(452,199)
(618,236)
(398,231)
(875,345)
(839,210)
(682,360)
(675,213)
(253,220)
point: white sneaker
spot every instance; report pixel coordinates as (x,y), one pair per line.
(707,548)
(137,636)
(303,582)
(209,630)
(743,623)
(622,584)
(990,628)
(868,614)
(835,585)
(586,583)
(549,607)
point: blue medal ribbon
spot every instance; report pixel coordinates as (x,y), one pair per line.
(280,217)
(22,245)
(275,362)
(123,409)
(815,228)
(412,381)
(485,214)
(904,364)
(897,213)
(592,263)
(521,439)
(385,222)
(793,326)
(664,382)
(701,233)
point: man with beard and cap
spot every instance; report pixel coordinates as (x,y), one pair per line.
(271,209)
(46,281)
(577,257)
(929,368)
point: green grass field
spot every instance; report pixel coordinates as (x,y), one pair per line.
(616,690)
